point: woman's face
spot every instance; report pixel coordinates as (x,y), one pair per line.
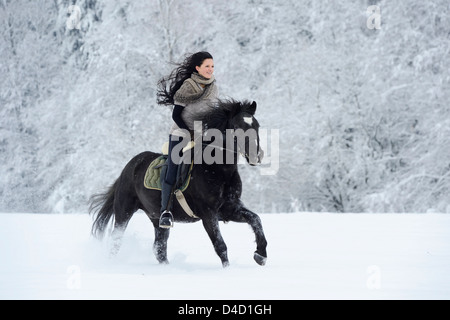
(206,69)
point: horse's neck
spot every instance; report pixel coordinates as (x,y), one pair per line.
(228,170)
(229,152)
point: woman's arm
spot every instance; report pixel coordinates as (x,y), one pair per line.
(176,116)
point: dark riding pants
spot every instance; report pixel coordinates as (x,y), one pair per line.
(171,173)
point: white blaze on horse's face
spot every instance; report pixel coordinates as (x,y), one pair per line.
(248,120)
(248,141)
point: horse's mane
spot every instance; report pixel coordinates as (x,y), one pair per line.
(223,111)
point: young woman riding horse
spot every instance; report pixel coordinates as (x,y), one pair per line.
(190,88)
(214,192)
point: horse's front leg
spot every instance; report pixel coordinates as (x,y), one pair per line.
(235,211)
(160,244)
(211,226)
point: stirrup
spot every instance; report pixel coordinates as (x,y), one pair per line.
(166,220)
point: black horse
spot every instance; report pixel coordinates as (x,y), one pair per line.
(213,194)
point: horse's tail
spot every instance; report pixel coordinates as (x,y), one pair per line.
(102,207)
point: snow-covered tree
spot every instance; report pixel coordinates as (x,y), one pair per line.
(362,113)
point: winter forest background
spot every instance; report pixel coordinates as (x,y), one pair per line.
(363,114)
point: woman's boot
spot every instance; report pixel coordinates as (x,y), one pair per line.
(166,218)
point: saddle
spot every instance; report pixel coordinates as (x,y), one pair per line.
(156,172)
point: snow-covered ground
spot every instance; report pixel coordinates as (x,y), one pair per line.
(310,256)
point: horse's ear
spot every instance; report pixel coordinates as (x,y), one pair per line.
(252,108)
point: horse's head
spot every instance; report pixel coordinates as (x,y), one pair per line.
(235,120)
(246,132)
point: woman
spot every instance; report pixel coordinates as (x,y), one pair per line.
(190,88)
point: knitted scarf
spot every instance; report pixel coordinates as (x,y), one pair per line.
(192,92)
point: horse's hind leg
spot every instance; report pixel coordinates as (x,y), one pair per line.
(123,211)
(160,244)
(238,213)
(120,224)
(116,237)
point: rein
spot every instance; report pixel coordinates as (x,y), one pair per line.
(219,147)
(245,155)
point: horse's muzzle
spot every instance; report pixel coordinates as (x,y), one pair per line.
(256,160)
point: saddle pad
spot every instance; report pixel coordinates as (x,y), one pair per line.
(152,176)
(152,179)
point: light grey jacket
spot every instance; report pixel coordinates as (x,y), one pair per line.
(195,99)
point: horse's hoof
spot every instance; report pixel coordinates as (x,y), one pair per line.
(225,264)
(259,259)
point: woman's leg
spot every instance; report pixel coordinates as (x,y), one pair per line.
(172,160)
(166,219)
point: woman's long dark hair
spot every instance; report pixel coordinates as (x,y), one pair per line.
(168,86)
